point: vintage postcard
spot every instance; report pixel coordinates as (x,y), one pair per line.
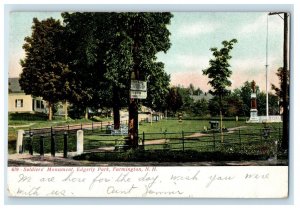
(149,104)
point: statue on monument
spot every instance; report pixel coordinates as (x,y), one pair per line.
(253,96)
(253,85)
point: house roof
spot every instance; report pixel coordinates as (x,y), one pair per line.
(14,86)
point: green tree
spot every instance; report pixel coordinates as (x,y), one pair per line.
(146,34)
(44,71)
(191,89)
(218,72)
(214,106)
(274,104)
(122,46)
(198,91)
(278,90)
(234,104)
(187,101)
(261,103)
(174,100)
(245,95)
(200,107)
(87,45)
(158,83)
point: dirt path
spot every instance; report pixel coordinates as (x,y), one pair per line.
(157,141)
(196,135)
(237,128)
(230,130)
(21,126)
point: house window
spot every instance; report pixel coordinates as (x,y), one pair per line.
(38,104)
(19,103)
(42,105)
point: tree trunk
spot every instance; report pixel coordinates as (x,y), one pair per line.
(50,114)
(133,124)
(66,110)
(86,116)
(221,119)
(116,107)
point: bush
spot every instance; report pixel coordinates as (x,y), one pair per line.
(28,116)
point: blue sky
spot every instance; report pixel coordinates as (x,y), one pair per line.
(193,34)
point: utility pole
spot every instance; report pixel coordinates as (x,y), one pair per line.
(285,140)
(285,80)
(133,134)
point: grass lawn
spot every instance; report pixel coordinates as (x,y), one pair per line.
(176,127)
(185,125)
(156,130)
(26,121)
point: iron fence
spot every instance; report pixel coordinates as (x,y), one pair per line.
(96,139)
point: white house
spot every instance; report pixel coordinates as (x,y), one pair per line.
(19,102)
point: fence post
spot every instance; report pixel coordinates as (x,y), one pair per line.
(214,138)
(79,142)
(30,143)
(182,141)
(19,147)
(52,143)
(65,145)
(276,148)
(42,145)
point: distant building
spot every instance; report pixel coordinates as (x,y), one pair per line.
(19,102)
(206,96)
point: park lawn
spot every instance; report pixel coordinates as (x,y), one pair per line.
(174,126)
(174,131)
(162,129)
(27,121)
(57,121)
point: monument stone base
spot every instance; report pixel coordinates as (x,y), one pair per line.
(253,116)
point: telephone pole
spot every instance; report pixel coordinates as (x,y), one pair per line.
(285,81)
(133,123)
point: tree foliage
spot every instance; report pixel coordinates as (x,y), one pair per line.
(279,90)
(200,108)
(44,70)
(110,48)
(218,72)
(174,100)
(86,47)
